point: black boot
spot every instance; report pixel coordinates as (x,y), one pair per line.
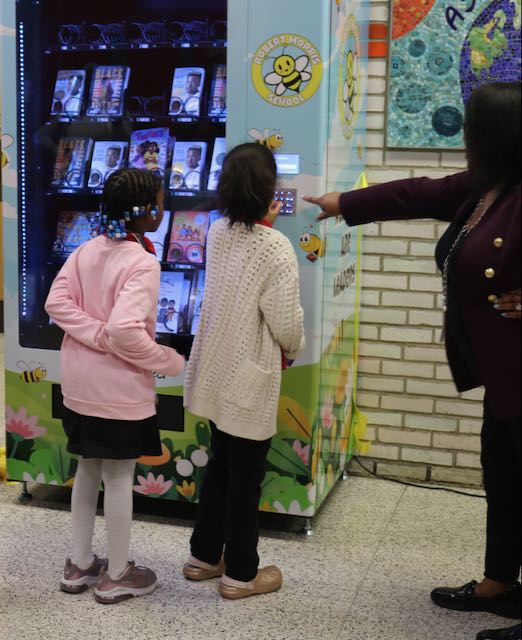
(507,605)
(513,633)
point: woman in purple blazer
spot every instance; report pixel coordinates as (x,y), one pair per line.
(480,259)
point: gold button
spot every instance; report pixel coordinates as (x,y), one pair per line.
(490,273)
(493,298)
(499,243)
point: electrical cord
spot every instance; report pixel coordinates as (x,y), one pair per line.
(417,486)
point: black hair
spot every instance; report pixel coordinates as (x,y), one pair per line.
(492,132)
(247,184)
(128,188)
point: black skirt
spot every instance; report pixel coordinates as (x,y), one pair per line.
(92,437)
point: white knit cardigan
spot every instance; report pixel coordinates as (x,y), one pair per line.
(251,311)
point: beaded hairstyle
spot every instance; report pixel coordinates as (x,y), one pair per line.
(128,194)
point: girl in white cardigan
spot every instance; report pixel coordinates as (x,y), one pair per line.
(251,313)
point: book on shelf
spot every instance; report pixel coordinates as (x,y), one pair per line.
(188,165)
(174,302)
(149,150)
(107,95)
(107,157)
(216,165)
(218,92)
(159,237)
(188,237)
(197,295)
(71,162)
(187,91)
(74,229)
(68,93)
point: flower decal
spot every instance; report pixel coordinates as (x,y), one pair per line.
(327,414)
(153,487)
(199,458)
(21,427)
(184,468)
(294,509)
(187,489)
(40,479)
(302,451)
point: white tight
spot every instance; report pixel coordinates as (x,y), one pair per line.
(117,477)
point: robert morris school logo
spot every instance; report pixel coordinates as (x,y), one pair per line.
(350,77)
(287,70)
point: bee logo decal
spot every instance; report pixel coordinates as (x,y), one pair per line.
(7,141)
(289,74)
(32,373)
(312,244)
(270,139)
(350,78)
(287,70)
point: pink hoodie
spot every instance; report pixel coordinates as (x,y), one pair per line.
(105,299)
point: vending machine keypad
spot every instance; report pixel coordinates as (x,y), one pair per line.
(288,197)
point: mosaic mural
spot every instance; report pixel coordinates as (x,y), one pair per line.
(441,50)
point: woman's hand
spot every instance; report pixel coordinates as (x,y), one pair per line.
(510,305)
(329,203)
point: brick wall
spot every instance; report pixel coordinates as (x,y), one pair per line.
(422,429)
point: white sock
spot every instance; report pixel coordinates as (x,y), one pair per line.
(83,507)
(118,479)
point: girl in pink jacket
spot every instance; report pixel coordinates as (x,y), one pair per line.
(105,299)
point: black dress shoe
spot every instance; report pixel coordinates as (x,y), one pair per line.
(513,633)
(507,605)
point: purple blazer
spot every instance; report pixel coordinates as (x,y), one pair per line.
(495,269)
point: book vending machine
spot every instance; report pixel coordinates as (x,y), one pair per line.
(168,86)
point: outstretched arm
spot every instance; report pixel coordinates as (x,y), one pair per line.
(415,198)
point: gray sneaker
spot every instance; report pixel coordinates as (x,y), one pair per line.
(75,580)
(133,583)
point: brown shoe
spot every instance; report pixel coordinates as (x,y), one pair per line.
(268,580)
(75,580)
(133,583)
(199,571)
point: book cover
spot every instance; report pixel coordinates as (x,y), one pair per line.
(174,298)
(107,158)
(68,93)
(198,294)
(188,165)
(149,150)
(71,162)
(187,91)
(218,157)
(188,237)
(218,92)
(159,238)
(108,87)
(74,229)
(215,215)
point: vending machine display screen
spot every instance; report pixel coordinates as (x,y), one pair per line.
(100,91)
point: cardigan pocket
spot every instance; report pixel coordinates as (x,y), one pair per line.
(250,387)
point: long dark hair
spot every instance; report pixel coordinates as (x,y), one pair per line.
(492,132)
(128,188)
(247,184)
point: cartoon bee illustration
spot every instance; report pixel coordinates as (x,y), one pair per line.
(32,372)
(312,244)
(272,140)
(289,73)
(7,141)
(350,89)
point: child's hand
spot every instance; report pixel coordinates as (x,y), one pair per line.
(273,212)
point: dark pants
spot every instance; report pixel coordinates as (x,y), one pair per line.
(229,503)
(501,461)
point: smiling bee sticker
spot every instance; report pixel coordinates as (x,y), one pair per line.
(287,70)
(312,244)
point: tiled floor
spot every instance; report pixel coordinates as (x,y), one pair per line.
(366,574)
